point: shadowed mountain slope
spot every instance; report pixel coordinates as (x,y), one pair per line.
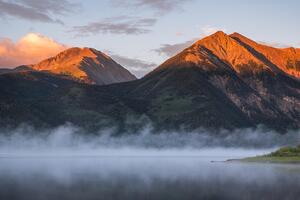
(48,100)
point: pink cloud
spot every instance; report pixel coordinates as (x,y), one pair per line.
(30,49)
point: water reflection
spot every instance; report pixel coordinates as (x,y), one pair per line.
(147,174)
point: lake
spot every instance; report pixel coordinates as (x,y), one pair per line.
(144,173)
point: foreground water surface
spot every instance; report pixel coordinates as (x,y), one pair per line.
(144,174)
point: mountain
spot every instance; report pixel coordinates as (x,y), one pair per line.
(218,82)
(16,69)
(87,65)
(44,99)
(221,81)
(4,70)
(239,52)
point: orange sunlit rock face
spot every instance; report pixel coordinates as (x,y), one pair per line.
(227,50)
(286,59)
(86,64)
(30,49)
(66,62)
(238,53)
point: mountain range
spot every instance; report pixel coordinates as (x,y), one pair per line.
(221,81)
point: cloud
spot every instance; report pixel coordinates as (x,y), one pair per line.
(117,25)
(161,6)
(51,6)
(208,30)
(275,44)
(179,33)
(136,66)
(172,49)
(36,10)
(30,49)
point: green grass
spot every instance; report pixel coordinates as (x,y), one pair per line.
(282,155)
(170,105)
(270,159)
(287,152)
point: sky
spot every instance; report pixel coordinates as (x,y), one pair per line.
(139,34)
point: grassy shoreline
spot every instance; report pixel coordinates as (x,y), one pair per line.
(272,159)
(283,155)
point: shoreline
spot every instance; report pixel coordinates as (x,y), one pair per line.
(268,159)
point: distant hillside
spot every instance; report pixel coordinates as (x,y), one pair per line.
(48,100)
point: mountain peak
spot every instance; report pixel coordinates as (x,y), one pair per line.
(220,51)
(218,34)
(81,52)
(86,64)
(239,53)
(242,39)
(227,50)
(218,37)
(236,34)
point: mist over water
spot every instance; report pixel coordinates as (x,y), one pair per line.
(68,163)
(26,138)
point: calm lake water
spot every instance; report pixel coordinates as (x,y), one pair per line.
(145,174)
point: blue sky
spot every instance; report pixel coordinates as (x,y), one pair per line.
(141,34)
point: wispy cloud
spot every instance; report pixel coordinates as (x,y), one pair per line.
(51,6)
(208,30)
(136,66)
(172,49)
(161,6)
(116,25)
(275,44)
(36,10)
(30,49)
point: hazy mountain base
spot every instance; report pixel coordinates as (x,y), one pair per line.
(44,100)
(69,136)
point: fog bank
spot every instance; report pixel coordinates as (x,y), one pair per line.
(68,138)
(69,163)
(145,178)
